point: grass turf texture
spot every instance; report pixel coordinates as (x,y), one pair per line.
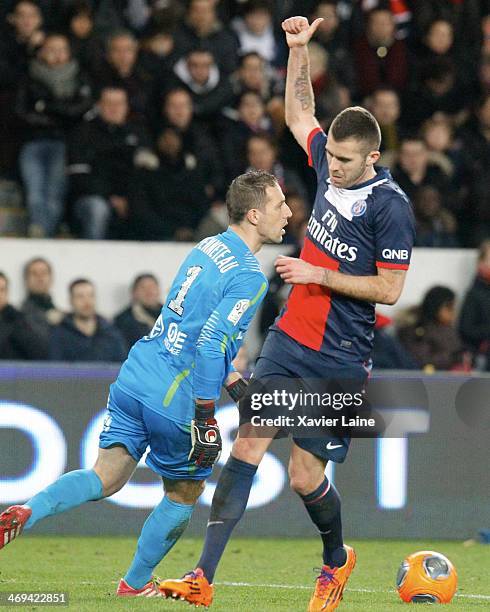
(89,569)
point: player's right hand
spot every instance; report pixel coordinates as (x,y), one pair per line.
(299,31)
(206,442)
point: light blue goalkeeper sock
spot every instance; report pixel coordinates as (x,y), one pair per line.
(161,530)
(70,490)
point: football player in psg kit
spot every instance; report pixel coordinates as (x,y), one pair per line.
(356,253)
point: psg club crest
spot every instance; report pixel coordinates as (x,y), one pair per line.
(358,208)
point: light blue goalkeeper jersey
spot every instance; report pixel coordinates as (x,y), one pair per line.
(189,351)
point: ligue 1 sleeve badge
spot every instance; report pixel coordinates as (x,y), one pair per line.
(358,208)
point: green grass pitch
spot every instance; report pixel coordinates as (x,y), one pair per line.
(254,575)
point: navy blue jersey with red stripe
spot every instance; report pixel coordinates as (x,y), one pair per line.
(355,231)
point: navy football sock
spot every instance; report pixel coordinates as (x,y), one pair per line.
(323,506)
(229,502)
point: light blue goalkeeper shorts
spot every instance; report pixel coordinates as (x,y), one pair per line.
(135,426)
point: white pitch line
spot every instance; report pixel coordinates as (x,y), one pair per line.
(302,586)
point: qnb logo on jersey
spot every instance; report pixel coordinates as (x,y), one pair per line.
(338,248)
(395,254)
(174,340)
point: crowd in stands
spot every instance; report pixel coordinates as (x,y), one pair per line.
(429,336)
(126,119)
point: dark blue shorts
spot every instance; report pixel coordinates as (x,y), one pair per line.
(134,426)
(281,356)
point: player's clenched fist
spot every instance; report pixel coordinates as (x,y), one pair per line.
(299,31)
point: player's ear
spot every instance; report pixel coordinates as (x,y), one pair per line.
(372,158)
(253,216)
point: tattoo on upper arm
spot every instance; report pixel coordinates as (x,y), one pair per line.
(302,88)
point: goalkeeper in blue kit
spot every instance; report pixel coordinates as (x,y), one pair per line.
(164,397)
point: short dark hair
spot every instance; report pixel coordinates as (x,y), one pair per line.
(248,191)
(413,138)
(264,137)
(33,261)
(358,123)
(79,281)
(245,56)
(142,277)
(435,298)
(4,276)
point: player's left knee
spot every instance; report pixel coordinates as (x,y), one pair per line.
(300,483)
(184,491)
(302,480)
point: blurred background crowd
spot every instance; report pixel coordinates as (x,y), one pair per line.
(126,119)
(429,336)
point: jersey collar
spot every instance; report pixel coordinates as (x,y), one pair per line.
(381,174)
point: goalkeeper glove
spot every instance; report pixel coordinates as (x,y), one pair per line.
(237,389)
(205,436)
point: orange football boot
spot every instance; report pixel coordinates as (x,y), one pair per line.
(193,588)
(12,523)
(330,584)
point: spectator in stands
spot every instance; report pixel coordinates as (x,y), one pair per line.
(20,37)
(83,335)
(439,43)
(103,156)
(210,89)
(413,169)
(333,35)
(475,139)
(17,339)
(158,56)
(379,57)
(388,352)
(52,99)
(385,106)
(438,91)
(38,306)
(474,322)
(214,222)
(86,46)
(168,203)
(248,119)
(255,31)
(203,30)
(262,154)
(121,70)
(436,226)
(252,75)
(438,134)
(137,319)
(433,340)
(464,17)
(198,144)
